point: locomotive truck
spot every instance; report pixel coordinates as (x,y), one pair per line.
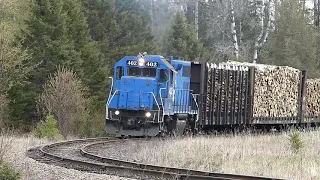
(153,95)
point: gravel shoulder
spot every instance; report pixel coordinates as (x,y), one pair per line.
(34,170)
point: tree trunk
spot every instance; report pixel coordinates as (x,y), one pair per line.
(196,21)
(316,7)
(234,31)
(260,14)
(266,34)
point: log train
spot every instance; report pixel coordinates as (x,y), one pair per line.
(152,95)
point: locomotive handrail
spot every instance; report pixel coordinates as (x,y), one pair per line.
(114,94)
(162,103)
(195,99)
(160,93)
(111,87)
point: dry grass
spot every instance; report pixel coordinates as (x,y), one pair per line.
(262,155)
(33,170)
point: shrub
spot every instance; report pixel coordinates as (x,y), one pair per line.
(7,173)
(48,129)
(64,96)
(295,141)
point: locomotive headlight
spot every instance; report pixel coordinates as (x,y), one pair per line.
(141,61)
(116,112)
(148,114)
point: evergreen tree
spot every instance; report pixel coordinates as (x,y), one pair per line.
(293,43)
(120,27)
(93,64)
(13,57)
(57,34)
(183,42)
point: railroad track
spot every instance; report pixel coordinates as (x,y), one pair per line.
(76,154)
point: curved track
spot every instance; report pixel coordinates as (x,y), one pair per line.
(76,155)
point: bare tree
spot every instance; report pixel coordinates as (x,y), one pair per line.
(224,26)
(64,97)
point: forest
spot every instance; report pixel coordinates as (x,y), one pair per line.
(56,55)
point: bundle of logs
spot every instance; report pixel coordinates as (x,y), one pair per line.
(226,89)
(312,108)
(276,90)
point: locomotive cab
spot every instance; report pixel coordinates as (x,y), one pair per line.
(135,103)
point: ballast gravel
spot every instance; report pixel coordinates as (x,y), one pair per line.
(33,170)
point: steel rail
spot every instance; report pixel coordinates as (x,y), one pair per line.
(104,164)
(85,152)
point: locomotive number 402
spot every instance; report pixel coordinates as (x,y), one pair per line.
(147,64)
(151,64)
(132,63)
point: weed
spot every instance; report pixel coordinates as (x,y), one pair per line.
(7,173)
(296,142)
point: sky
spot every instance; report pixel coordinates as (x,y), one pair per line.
(309,3)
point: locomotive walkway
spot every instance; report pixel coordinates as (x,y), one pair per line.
(76,154)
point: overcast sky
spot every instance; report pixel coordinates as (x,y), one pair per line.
(309,3)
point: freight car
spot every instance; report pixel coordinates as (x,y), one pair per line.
(152,95)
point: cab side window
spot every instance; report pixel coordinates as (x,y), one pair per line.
(119,72)
(163,75)
(186,71)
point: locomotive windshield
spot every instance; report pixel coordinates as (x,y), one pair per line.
(142,72)
(149,72)
(134,71)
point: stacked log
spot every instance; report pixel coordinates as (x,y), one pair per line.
(312,108)
(276,90)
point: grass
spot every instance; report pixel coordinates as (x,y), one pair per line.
(287,155)
(258,155)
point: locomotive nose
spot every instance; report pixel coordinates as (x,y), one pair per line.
(138,93)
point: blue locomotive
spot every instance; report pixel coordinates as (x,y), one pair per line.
(150,95)
(153,95)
